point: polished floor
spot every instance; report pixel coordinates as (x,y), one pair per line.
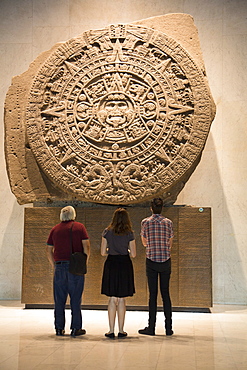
(216,340)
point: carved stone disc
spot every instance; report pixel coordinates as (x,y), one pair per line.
(118,115)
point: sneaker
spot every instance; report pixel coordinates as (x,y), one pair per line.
(169,332)
(146,331)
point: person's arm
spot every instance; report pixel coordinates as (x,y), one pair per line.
(170,242)
(144,241)
(86,247)
(132,248)
(103,247)
(143,232)
(50,254)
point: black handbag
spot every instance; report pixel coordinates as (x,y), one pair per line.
(78,260)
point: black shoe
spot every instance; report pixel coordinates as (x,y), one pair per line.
(169,332)
(146,331)
(122,335)
(76,332)
(60,332)
(110,335)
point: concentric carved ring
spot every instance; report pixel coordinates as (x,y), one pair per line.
(118,115)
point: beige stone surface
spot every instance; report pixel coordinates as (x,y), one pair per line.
(180,27)
(191,279)
(113,116)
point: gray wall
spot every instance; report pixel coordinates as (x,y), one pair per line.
(28,27)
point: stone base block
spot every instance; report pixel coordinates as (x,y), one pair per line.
(191,279)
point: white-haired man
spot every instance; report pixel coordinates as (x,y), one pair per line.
(58,251)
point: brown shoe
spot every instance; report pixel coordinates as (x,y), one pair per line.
(60,332)
(76,332)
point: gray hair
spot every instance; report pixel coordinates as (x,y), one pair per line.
(67,213)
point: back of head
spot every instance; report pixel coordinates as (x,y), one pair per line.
(120,222)
(67,213)
(156,205)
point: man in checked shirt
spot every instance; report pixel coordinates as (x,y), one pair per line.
(157,235)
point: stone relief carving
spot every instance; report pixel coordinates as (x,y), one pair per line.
(114,116)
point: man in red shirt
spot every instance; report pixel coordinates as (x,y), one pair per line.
(157,235)
(58,252)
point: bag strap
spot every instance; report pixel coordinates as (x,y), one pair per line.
(71,238)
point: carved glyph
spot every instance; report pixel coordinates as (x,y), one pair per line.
(117,115)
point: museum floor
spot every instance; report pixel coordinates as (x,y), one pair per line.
(216,340)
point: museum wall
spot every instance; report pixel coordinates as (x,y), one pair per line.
(29,27)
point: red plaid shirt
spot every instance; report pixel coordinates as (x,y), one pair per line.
(157,230)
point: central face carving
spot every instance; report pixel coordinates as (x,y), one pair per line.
(117,114)
(115,110)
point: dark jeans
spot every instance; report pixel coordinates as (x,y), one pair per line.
(66,284)
(163,271)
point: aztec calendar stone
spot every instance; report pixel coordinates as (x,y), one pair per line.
(118,115)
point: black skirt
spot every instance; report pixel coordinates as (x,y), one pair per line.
(118,277)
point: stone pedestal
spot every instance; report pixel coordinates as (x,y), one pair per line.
(191,279)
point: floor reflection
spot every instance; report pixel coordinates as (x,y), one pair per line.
(216,340)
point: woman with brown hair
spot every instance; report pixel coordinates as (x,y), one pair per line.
(118,244)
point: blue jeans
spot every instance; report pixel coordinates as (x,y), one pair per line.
(66,284)
(161,270)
